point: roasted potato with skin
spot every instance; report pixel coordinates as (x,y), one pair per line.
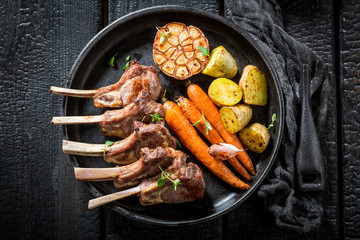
(254,86)
(236,117)
(224,92)
(221,64)
(255,137)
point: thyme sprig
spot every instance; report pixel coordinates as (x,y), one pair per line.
(128,61)
(163,35)
(207,124)
(166,175)
(273,119)
(154,117)
(107,145)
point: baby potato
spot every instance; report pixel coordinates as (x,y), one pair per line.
(221,64)
(224,92)
(235,118)
(255,137)
(254,86)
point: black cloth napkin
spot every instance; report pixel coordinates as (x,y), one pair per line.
(292,210)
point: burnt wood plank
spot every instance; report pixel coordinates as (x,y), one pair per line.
(119,227)
(349,43)
(310,22)
(118,8)
(40,198)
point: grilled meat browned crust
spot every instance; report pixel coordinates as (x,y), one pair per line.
(147,166)
(150,135)
(136,78)
(192,185)
(120,123)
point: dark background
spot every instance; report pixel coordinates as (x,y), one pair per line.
(40,199)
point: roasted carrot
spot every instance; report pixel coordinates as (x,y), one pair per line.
(211,112)
(195,117)
(192,141)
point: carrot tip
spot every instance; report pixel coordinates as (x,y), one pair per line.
(188,83)
(178,98)
(164,99)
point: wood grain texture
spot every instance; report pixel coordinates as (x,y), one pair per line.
(350,118)
(119,227)
(40,198)
(118,8)
(311,23)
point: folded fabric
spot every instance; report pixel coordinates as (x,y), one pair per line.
(263,21)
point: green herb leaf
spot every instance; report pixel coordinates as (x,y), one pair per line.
(197,122)
(207,124)
(208,127)
(160,182)
(156,117)
(128,61)
(163,35)
(107,145)
(112,59)
(176,183)
(164,94)
(204,51)
(273,119)
(178,143)
(126,66)
(166,175)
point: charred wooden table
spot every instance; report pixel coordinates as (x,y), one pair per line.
(40,198)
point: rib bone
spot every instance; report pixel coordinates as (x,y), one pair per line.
(72,92)
(97,202)
(96,174)
(83,149)
(76,120)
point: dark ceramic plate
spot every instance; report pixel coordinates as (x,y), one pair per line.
(133,35)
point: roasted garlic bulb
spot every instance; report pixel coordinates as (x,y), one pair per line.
(176,50)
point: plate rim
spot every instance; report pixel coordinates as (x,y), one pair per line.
(166,8)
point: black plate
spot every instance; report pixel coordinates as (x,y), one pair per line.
(133,35)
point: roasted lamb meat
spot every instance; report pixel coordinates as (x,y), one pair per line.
(127,150)
(191,187)
(120,123)
(136,78)
(148,165)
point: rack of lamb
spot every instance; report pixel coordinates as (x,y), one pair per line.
(136,78)
(120,123)
(192,187)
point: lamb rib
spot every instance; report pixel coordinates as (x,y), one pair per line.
(136,78)
(192,187)
(132,174)
(127,150)
(119,123)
